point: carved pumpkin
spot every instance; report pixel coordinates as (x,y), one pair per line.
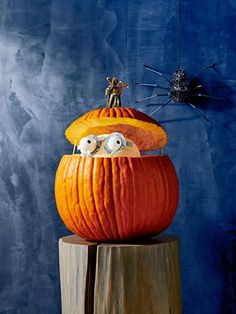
(118,198)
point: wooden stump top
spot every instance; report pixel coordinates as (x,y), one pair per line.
(161,239)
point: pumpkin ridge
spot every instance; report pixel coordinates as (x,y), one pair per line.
(161,189)
(95,204)
(130,113)
(136,198)
(111,206)
(121,209)
(140,187)
(121,198)
(171,179)
(119,112)
(165,188)
(61,178)
(66,193)
(124,196)
(115,112)
(126,113)
(115,176)
(175,190)
(101,112)
(132,193)
(150,190)
(94,113)
(112,197)
(88,115)
(92,227)
(78,211)
(156,187)
(69,192)
(105,205)
(163,185)
(98,208)
(112,113)
(167,183)
(91,114)
(137,171)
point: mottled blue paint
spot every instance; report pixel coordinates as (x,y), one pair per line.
(54,57)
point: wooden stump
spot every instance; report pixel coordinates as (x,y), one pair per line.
(131,278)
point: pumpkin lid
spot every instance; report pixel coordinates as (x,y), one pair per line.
(144,131)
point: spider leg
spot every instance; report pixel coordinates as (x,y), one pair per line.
(141,100)
(193,88)
(159,108)
(198,111)
(204,69)
(152,85)
(157,72)
(208,67)
(209,96)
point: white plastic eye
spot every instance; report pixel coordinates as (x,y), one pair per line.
(88,145)
(114,143)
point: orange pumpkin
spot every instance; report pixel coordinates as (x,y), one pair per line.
(117,198)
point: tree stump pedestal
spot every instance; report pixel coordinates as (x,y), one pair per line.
(138,277)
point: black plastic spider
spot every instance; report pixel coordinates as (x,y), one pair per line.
(181,89)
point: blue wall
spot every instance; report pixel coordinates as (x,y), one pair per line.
(54,57)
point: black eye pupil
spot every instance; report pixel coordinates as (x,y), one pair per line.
(118,142)
(89,141)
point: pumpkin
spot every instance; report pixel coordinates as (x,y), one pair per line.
(118,198)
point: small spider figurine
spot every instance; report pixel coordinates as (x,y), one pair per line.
(180,90)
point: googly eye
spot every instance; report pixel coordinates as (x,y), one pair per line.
(114,143)
(88,145)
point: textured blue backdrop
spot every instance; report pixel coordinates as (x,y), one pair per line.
(54,57)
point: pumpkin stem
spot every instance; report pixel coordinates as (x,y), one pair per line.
(113,92)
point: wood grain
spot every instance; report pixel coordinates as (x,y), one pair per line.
(77,266)
(141,277)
